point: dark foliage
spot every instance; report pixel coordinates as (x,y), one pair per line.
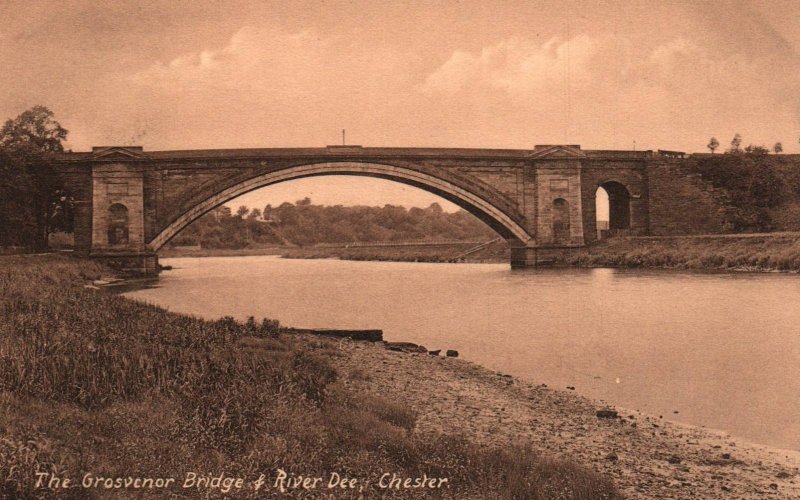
(33,201)
(754,183)
(303,223)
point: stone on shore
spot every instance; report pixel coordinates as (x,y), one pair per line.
(607,413)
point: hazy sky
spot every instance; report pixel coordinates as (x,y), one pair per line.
(171,74)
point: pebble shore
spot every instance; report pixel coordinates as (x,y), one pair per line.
(646,456)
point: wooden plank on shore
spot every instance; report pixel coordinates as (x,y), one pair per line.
(363,335)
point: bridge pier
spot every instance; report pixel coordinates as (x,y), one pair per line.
(118,212)
(130,263)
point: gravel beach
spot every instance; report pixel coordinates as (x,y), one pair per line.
(647,456)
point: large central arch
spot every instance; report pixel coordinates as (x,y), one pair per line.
(496,218)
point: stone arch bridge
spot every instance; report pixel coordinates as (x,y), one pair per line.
(130,202)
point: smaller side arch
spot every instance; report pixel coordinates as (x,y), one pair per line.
(619,205)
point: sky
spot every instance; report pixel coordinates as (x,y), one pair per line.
(177,74)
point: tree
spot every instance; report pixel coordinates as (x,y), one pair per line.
(254,214)
(222,212)
(753,149)
(777,148)
(434,208)
(736,142)
(33,191)
(242,211)
(35,130)
(713,144)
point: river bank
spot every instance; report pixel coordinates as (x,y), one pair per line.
(495,252)
(96,385)
(756,252)
(762,252)
(197,251)
(373,409)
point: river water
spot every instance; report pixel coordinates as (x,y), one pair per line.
(721,350)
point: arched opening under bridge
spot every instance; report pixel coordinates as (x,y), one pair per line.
(507,225)
(612,208)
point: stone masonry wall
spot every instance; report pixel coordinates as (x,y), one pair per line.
(681,202)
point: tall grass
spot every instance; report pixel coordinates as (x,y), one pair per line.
(92,382)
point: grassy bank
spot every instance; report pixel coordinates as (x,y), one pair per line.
(745,252)
(95,383)
(730,252)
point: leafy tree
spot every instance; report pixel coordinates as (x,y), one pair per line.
(254,214)
(33,131)
(242,212)
(713,144)
(777,148)
(736,143)
(33,201)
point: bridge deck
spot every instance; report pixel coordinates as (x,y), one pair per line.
(349,151)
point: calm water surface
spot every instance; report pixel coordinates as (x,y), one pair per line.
(723,350)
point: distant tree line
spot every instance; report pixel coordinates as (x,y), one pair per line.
(303,223)
(736,146)
(33,202)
